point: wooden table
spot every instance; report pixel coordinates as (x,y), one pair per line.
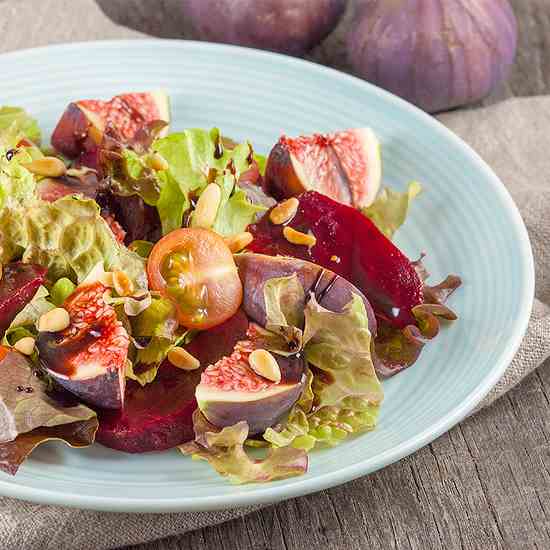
(486,483)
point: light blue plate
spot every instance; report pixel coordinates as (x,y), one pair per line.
(465,220)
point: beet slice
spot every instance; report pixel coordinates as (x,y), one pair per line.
(158,416)
(349,244)
(18,285)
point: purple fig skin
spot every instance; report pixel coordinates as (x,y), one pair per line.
(288,26)
(332,291)
(259,415)
(263,412)
(434,53)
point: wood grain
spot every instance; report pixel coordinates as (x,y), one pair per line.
(483,485)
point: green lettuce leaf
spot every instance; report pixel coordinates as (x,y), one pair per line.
(339,345)
(343,394)
(17,184)
(261,161)
(69,237)
(284,305)
(172,203)
(193,164)
(26,410)
(25,322)
(390,209)
(158,323)
(18,119)
(225,451)
(236,213)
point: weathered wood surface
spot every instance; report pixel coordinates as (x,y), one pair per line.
(485,484)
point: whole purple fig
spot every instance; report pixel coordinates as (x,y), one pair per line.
(437,54)
(288,26)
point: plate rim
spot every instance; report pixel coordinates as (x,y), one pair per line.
(267,494)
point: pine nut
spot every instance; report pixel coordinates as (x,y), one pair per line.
(264,364)
(49,167)
(25,345)
(122,284)
(54,320)
(158,162)
(284,212)
(239,241)
(207,207)
(182,359)
(297,237)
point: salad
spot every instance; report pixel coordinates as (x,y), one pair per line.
(178,289)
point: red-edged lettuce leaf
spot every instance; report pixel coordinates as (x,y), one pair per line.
(398,349)
(76,434)
(30,415)
(224,450)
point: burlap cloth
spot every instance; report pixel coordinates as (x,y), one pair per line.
(511,136)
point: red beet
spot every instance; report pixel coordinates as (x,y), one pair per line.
(349,244)
(18,285)
(157,417)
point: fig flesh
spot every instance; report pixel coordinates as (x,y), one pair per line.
(344,165)
(88,358)
(349,244)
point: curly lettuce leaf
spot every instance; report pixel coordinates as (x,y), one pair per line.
(172,203)
(158,324)
(69,237)
(194,161)
(284,300)
(397,349)
(25,410)
(25,322)
(18,119)
(17,184)
(390,209)
(339,345)
(236,213)
(343,395)
(225,451)
(77,435)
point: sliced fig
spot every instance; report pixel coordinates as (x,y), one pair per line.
(344,165)
(349,244)
(81,127)
(331,290)
(88,358)
(230,391)
(158,416)
(18,285)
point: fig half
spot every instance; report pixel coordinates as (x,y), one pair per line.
(88,358)
(230,391)
(345,166)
